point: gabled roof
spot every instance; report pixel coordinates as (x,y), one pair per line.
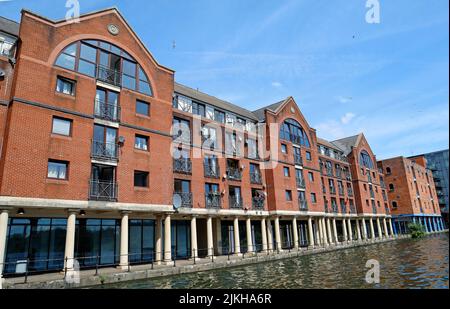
(260,113)
(328,144)
(9,26)
(206,98)
(347,143)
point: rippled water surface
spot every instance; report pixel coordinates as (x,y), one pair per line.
(403,264)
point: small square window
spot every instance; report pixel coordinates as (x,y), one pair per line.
(62,126)
(141,142)
(286,171)
(141,179)
(65,86)
(308,156)
(288,195)
(57,169)
(313,198)
(283,148)
(142,108)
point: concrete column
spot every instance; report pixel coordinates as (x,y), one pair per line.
(380,232)
(336,240)
(372,229)
(277,234)
(391,228)
(158,240)
(350,232)
(218,236)
(248,224)
(167,240)
(386,233)
(430,226)
(4,215)
(264,234)
(209,237)
(321,234)
(269,235)
(435,227)
(425,224)
(295,232)
(124,241)
(237,242)
(364,228)
(194,247)
(69,251)
(344,229)
(358,229)
(311,233)
(330,237)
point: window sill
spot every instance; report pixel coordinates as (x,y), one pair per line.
(141,189)
(63,137)
(144,117)
(67,96)
(57,181)
(141,151)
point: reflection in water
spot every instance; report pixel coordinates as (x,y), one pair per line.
(403,264)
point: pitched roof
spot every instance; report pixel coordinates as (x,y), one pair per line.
(206,98)
(324,142)
(260,113)
(347,143)
(9,26)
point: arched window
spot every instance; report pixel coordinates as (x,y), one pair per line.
(105,62)
(391,187)
(292,131)
(388,170)
(365,160)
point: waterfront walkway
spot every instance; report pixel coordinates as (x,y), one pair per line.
(114,275)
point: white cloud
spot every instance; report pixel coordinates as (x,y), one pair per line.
(277,84)
(343,99)
(347,118)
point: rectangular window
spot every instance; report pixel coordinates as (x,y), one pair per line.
(311,177)
(283,148)
(313,198)
(286,171)
(308,156)
(142,108)
(62,126)
(57,169)
(141,142)
(66,86)
(141,179)
(219,116)
(198,109)
(288,195)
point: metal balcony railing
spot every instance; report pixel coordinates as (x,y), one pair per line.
(298,160)
(372,194)
(211,171)
(384,197)
(105,151)
(350,192)
(338,174)
(383,184)
(213,200)
(107,75)
(256,178)
(107,111)
(343,208)
(352,209)
(387,210)
(235,202)
(334,208)
(300,183)
(374,209)
(182,166)
(103,190)
(329,172)
(341,191)
(303,204)
(348,177)
(257,203)
(186,199)
(324,189)
(369,178)
(326,208)
(333,190)
(234,173)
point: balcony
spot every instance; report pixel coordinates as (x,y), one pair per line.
(329,172)
(333,190)
(182,166)
(383,184)
(213,200)
(256,178)
(234,173)
(374,209)
(341,191)
(339,174)
(212,171)
(348,177)
(372,194)
(298,160)
(103,190)
(303,204)
(369,178)
(186,199)
(324,189)
(300,183)
(235,202)
(105,151)
(107,75)
(107,111)
(387,210)
(352,209)
(384,197)
(325,208)
(343,208)
(258,203)
(349,192)
(334,208)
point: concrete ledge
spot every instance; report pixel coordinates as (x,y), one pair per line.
(139,272)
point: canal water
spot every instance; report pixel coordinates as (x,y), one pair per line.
(404,263)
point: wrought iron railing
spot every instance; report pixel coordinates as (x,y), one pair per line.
(258,203)
(329,172)
(213,200)
(103,190)
(300,183)
(372,194)
(338,174)
(369,178)
(182,165)
(352,209)
(341,191)
(211,171)
(333,190)
(235,202)
(107,111)
(374,209)
(186,199)
(105,151)
(107,75)
(343,208)
(324,189)
(234,173)
(298,160)
(303,204)
(256,178)
(350,192)
(348,177)
(334,208)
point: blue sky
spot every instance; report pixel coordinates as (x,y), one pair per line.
(388,80)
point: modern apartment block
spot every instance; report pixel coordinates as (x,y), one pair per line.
(106,160)
(437,162)
(412,193)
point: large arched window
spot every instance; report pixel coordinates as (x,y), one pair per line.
(292,131)
(106,62)
(365,160)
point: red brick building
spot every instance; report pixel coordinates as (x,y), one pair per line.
(107,160)
(412,193)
